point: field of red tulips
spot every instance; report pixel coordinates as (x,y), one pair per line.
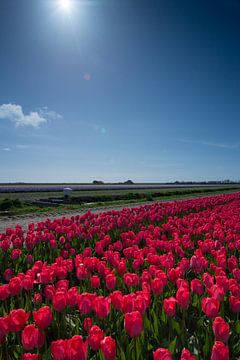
(155,282)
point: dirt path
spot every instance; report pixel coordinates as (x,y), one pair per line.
(24,220)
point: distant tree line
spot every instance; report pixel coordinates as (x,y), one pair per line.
(100,182)
(206,182)
(211,182)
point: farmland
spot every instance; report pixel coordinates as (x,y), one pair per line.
(24,200)
(159,281)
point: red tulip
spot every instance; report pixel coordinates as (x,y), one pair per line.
(221,329)
(4,325)
(130,279)
(140,303)
(95,281)
(116,299)
(133,323)
(102,306)
(157,286)
(76,349)
(32,337)
(62,284)
(174,274)
(15,286)
(217,292)
(46,275)
(8,274)
(29,356)
(111,281)
(4,292)
(17,320)
(37,299)
(207,280)
(223,281)
(210,306)
(127,303)
(85,303)
(108,347)
(58,349)
(186,355)
(82,272)
(183,298)
(234,303)
(197,287)
(53,244)
(27,282)
(87,323)
(72,297)
(59,300)
(5,245)
(15,254)
(29,259)
(169,306)
(49,291)
(95,337)
(43,317)
(219,351)
(182,283)
(162,354)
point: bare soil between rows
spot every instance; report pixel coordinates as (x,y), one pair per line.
(24,220)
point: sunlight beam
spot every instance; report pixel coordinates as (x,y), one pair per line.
(65,5)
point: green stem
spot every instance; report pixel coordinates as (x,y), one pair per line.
(136,348)
(184,330)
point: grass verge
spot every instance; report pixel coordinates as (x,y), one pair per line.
(26,209)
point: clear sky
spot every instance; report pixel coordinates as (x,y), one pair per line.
(119,89)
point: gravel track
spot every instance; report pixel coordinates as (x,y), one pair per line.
(24,220)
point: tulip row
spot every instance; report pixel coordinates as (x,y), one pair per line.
(160,281)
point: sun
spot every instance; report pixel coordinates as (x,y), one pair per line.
(65,5)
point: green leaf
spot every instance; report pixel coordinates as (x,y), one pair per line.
(200,322)
(237,328)
(147,324)
(47,355)
(176,326)
(195,300)
(155,324)
(206,346)
(163,316)
(172,345)
(16,355)
(101,357)
(138,349)
(122,354)
(149,347)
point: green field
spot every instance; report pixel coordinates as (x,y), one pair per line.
(28,196)
(21,202)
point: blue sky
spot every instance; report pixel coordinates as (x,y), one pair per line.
(115,90)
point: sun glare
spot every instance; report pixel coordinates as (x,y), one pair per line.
(65,5)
